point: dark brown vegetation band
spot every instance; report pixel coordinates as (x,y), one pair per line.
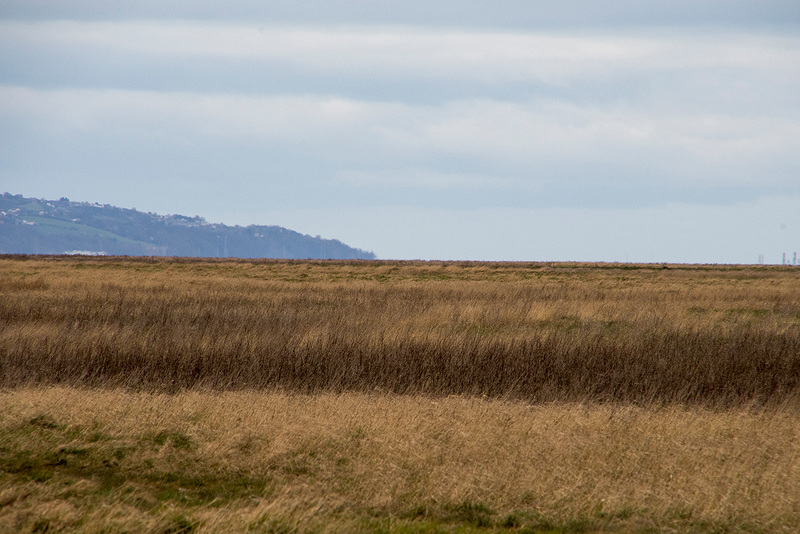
(661,367)
(523,337)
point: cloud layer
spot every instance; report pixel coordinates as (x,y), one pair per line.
(274,110)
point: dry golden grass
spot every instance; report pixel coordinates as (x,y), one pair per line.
(109,460)
(710,335)
(165,396)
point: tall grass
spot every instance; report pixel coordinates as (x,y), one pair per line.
(711,335)
(98,460)
(158,395)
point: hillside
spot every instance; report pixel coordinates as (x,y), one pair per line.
(38,226)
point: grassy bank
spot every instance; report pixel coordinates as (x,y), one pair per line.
(707,335)
(113,461)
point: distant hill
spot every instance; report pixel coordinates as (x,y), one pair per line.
(38,226)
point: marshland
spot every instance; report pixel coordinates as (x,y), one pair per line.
(178,395)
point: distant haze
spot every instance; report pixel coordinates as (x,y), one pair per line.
(616,130)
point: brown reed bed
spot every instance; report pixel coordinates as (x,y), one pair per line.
(541,332)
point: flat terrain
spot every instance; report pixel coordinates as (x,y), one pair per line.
(175,395)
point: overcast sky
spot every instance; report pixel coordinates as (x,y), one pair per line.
(617,130)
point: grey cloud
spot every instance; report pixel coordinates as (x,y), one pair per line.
(716,71)
(467,13)
(443,109)
(541,154)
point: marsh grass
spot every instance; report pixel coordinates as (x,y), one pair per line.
(709,335)
(111,460)
(180,395)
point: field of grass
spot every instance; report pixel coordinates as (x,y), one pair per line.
(158,395)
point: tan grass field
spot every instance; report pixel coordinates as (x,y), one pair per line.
(157,395)
(96,460)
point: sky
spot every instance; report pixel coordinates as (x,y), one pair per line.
(522,130)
